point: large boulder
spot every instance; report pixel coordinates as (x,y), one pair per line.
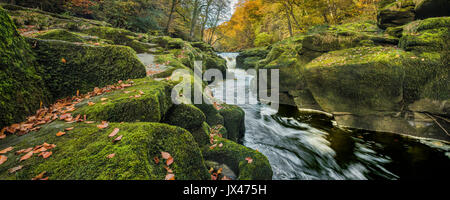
(248,58)
(22,89)
(67,67)
(82,154)
(431,8)
(428,35)
(396,14)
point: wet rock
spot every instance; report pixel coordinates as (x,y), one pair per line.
(396,14)
(431,8)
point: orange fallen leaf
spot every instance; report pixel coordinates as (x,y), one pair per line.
(2,136)
(103,99)
(168,169)
(46,154)
(170,177)
(69,129)
(118,138)
(213,177)
(211,170)
(78,93)
(3,159)
(156,159)
(40,176)
(26,156)
(169,161)
(103,125)
(63,60)
(225,178)
(15,169)
(111,155)
(213,146)
(6,150)
(42,149)
(89,122)
(114,132)
(219,171)
(221,145)
(140,92)
(249,160)
(60,133)
(165,155)
(90,103)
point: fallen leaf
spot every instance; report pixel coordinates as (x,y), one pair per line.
(42,149)
(111,155)
(44,179)
(90,103)
(140,92)
(46,154)
(156,159)
(78,93)
(69,129)
(170,177)
(2,136)
(28,150)
(15,169)
(114,132)
(3,159)
(213,146)
(118,138)
(221,145)
(224,178)
(6,150)
(168,169)
(103,99)
(40,176)
(219,171)
(63,60)
(60,133)
(213,177)
(26,156)
(249,160)
(211,170)
(165,155)
(103,125)
(89,122)
(169,161)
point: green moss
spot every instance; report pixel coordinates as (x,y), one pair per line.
(21,88)
(201,134)
(61,34)
(84,66)
(186,116)
(259,52)
(432,34)
(396,14)
(234,155)
(151,106)
(82,153)
(234,121)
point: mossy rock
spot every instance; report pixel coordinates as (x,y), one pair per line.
(234,155)
(234,121)
(396,14)
(21,88)
(369,80)
(432,34)
(431,8)
(120,106)
(185,116)
(67,67)
(61,34)
(259,52)
(201,134)
(81,154)
(215,62)
(203,46)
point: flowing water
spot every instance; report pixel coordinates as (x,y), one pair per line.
(309,147)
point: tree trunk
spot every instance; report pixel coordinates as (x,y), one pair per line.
(194,19)
(172,10)
(206,18)
(289,23)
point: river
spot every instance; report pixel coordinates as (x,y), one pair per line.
(308,147)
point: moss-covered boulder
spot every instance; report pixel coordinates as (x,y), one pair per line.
(186,116)
(432,34)
(431,8)
(396,14)
(235,156)
(243,59)
(21,88)
(234,121)
(67,67)
(146,101)
(61,34)
(82,153)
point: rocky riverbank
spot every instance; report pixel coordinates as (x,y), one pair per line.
(78,103)
(386,76)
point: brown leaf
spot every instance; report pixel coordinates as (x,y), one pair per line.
(63,60)
(224,178)
(6,150)
(111,155)
(60,133)
(168,169)
(169,161)
(103,99)
(118,138)
(15,169)
(26,156)
(170,177)
(165,155)
(69,129)
(2,136)
(219,171)
(42,149)
(40,176)
(46,154)
(114,132)
(213,146)
(3,159)
(103,125)
(221,145)
(249,160)
(90,103)
(156,159)
(213,177)
(89,122)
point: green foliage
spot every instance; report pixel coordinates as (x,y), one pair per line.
(263,39)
